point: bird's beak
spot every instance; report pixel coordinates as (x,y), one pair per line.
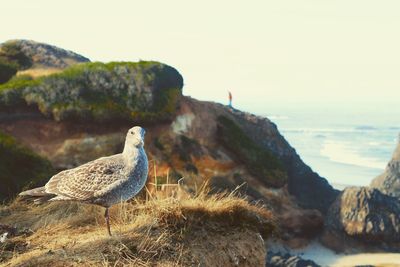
(139,142)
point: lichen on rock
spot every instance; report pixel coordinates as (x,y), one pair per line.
(28,53)
(141,91)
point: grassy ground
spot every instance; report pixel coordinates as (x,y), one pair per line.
(197,231)
(38,72)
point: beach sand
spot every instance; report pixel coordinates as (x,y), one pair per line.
(326,257)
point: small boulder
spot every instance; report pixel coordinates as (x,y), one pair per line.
(366,216)
(299,226)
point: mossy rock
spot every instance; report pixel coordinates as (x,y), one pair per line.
(259,161)
(20,167)
(11,53)
(141,91)
(11,93)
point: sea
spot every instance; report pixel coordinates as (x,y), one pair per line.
(346,145)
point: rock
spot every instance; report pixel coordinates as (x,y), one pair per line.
(366,216)
(185,146)
(286,260)
(3,237)
(76,151)
(44,55)
(117,91)
(259,160)
(311,190)
(190,138)
(298,226)
(9,246)
(8,231)
(389,181)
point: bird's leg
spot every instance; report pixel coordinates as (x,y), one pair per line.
(107,217)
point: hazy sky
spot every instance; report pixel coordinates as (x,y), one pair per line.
(268,53)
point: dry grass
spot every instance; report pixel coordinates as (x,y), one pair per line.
(39,72)
(199,231)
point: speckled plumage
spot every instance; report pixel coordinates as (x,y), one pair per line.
(104,181)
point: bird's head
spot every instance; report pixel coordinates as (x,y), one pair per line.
(135,137)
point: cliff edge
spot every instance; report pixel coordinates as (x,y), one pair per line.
(82,112)
(389,181)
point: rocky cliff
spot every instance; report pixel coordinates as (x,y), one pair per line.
(82,113)
(389,181)
(363,218)
(31,54)
(24,57)
(367,218)
(141,91)
(82,110)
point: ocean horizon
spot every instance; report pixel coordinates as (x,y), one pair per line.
(346,147)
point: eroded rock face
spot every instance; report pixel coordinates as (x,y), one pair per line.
(189,137)
(44,55)
(77,151)
(189,146)
(389,181)
(364,214)
(300,224)
(311,190)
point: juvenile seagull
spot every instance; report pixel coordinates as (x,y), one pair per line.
(104,181)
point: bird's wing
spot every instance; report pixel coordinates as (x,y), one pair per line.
(82,183)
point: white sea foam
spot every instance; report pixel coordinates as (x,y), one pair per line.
(342,152)
(320,130)
(277,117)
(391,143)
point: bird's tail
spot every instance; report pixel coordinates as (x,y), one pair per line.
(39,193)
(35,192)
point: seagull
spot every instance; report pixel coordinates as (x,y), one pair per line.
(105,181)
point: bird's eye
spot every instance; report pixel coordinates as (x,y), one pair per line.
(131,132)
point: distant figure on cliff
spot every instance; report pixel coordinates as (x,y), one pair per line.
(230,99)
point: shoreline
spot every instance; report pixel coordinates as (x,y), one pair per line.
(326,257)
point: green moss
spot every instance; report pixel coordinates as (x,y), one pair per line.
(259,160)
(142,91)
(20,167)
(166,101)
(11,93)
(19,82)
